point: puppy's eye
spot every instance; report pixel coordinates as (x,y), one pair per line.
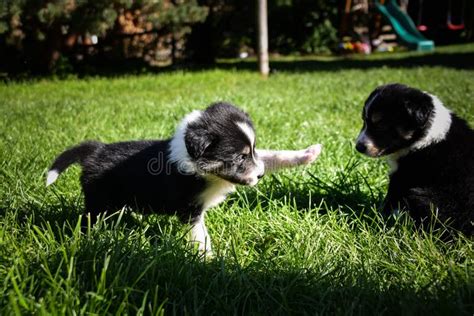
(242,157)
(376,118)
(380,126)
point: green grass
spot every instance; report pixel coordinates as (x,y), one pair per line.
(304,241)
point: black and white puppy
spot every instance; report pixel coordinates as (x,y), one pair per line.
(430,151)
(211,152)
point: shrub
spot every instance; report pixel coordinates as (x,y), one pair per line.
(80,28)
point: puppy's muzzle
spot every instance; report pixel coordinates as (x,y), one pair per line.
(365,146)
(257,173)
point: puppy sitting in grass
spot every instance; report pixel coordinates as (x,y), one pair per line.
(211,152)
(430,151)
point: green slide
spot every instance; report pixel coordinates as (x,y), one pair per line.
(404,27)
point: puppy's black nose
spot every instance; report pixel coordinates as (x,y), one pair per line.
(361,147)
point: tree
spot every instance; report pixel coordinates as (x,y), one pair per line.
(263,62)
(35,34)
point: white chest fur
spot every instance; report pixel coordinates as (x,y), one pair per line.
(215,192)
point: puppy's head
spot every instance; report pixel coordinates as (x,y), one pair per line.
(395,117)
(221,142)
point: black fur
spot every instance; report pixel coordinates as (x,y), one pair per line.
(75,154)
(439,176)
(142,175)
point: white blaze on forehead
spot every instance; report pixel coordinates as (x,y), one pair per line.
(248,131)
(178,152)
(259,168)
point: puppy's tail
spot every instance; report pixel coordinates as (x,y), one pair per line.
(75,154)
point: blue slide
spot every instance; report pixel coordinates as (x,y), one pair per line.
(404,27)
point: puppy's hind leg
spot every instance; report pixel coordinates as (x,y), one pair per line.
(91,213)
(278,159)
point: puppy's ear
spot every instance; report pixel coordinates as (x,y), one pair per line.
(419,111)
(197,140)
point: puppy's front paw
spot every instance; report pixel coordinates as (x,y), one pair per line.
(310,154)
(205,251)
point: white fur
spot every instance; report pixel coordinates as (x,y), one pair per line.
(277,159)
(215,192)
(392,160)
(200,236)
(248,131)
(440,124)
(178,152)
(52,176)
(260,166)
(392,164)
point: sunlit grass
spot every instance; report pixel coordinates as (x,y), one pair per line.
(304,241)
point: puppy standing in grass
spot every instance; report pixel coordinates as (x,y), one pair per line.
(211,152)
(430,151)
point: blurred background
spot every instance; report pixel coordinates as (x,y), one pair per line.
(89,36)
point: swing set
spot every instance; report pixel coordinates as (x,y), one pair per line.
(415,23)
(454,20)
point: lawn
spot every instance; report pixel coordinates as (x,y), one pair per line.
(304,241)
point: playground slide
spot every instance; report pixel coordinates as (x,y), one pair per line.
(404,27)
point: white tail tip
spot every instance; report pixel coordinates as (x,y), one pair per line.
(52,176)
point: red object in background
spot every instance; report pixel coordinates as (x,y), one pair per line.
(422,28)
(449,23)
(455,27)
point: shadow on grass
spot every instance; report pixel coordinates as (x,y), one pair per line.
(461,60)
(456,60)
(348,191)
(186,284)
(62,212)
(120,272)
(448,60)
